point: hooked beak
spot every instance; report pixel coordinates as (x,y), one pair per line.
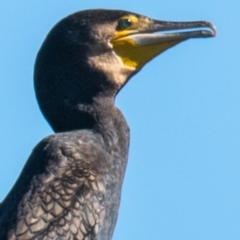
(165,32)
(138,46)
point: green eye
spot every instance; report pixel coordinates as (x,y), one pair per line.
(126,23)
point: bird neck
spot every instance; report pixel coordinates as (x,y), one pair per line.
(98,114)
(101,117)
(112,125)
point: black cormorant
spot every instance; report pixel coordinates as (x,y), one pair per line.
(70,187)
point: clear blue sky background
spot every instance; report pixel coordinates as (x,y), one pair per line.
(183,108)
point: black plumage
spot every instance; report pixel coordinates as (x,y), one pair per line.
(71,184)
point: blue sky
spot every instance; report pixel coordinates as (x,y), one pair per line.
(183,109)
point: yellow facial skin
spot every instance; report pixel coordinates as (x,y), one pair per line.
(133,54)
(136,56)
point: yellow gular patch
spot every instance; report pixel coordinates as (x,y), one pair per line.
(135,56)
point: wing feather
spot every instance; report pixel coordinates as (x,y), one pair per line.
(64,199)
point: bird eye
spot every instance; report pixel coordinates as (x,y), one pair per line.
(125,23)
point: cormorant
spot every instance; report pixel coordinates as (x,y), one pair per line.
(71,184)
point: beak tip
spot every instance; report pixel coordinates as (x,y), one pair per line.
(214,31)
(213,28)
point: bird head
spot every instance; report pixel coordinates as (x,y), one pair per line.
(95,52)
